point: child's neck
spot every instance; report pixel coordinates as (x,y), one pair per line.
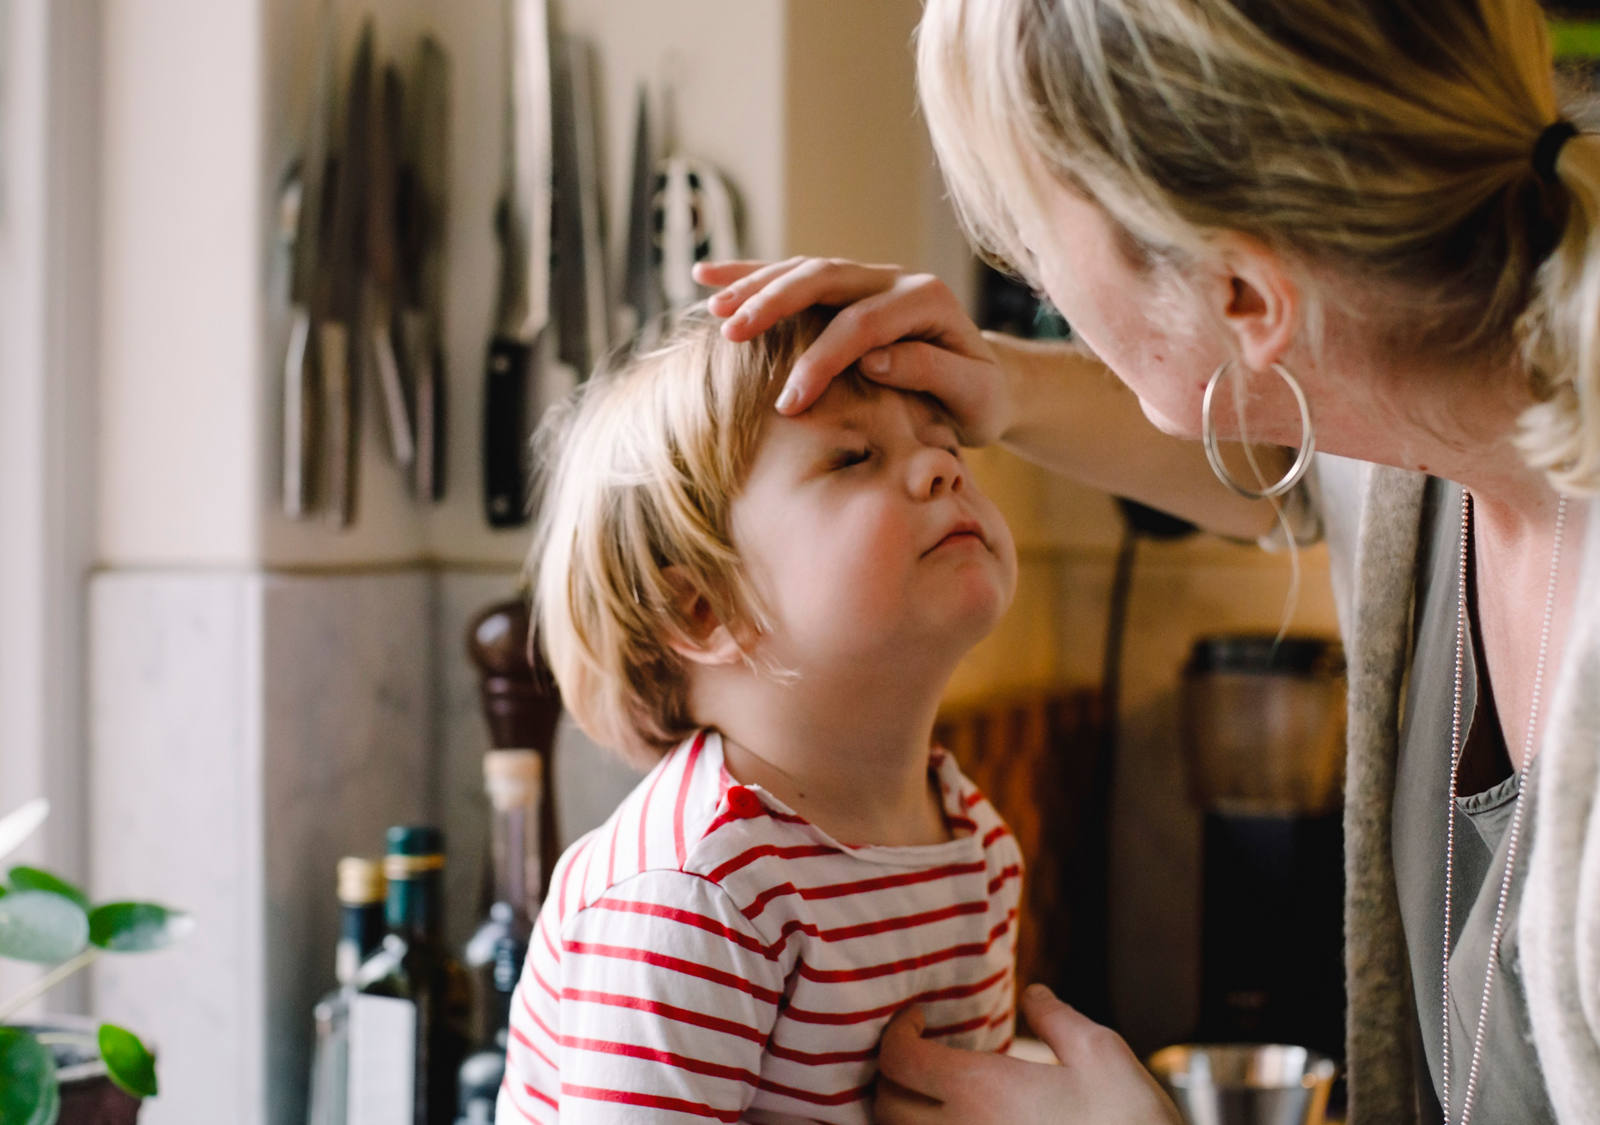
(851,757)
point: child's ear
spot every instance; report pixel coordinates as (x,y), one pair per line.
(709,640)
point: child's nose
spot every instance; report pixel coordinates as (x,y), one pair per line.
(935,472)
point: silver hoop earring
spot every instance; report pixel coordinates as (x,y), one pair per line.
(1308,439)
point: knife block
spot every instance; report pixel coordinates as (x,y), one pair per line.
(520,704)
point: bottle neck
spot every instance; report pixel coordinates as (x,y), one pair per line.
(413,909)
(361,929)
(514,844)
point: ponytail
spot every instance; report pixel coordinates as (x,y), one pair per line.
(1560,333)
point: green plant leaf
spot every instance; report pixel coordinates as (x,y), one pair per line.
(19,825)
(41,927)
(130,1065)
(33,879)
(29,1092)
(136,927)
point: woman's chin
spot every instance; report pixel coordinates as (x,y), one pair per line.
(1168,425)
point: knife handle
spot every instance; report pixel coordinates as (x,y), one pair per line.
(505,409)
(299,416)
(334,357)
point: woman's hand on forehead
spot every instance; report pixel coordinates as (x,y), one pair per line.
(906,331)
(857,407)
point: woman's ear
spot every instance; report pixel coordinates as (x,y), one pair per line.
(1257,299)
(707,640)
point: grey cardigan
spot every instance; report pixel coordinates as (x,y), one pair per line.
(1371,519)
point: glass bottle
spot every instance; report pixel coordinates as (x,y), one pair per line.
(513,780)
(411,1002)
(360,889)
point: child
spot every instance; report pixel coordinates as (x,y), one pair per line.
(769,608)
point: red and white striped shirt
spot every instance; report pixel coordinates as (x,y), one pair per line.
(709,954)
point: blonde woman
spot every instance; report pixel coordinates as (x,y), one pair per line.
(1365,228)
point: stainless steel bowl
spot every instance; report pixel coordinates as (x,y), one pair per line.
(1246,1083)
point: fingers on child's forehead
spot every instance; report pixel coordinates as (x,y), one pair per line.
(854,385)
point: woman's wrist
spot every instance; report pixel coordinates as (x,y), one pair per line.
(1011,361)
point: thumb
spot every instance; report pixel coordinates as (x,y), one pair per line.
(1056,1023)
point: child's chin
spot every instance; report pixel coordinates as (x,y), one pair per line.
(977,616)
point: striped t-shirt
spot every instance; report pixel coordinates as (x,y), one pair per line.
(709,954)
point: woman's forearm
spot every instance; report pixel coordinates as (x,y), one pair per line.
(1076,418)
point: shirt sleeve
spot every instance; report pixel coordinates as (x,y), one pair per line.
(667,996)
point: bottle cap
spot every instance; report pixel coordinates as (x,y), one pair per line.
(361,881)
(413,850)
(512,777)
(414,839)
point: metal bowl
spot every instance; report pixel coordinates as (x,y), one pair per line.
(1246,1083)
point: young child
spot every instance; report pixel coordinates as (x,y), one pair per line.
(769,609)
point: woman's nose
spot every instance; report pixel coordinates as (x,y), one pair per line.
(936,471)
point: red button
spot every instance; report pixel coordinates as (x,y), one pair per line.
(743,802)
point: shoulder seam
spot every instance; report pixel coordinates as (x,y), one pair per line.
(751,928)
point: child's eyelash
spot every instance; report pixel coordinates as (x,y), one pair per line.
(844,458)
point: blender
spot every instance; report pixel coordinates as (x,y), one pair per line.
(1263,722)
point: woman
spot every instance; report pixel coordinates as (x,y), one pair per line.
(1370,215)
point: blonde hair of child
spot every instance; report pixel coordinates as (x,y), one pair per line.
(1390,140)
(638,472)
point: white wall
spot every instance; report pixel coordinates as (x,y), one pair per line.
(48,343)
(181,280)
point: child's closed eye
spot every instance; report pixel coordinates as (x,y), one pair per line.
(845,458)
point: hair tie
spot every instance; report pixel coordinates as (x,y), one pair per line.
(1547,149)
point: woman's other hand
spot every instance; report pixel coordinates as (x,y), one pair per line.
(903,330)
(1098,1080)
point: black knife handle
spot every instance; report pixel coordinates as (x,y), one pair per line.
(505,411)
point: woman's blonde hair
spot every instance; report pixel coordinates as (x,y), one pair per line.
(1390,139)
(637,472)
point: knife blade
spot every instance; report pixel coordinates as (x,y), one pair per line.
(424,186)
(300,390)
(641,289)
(583,317)
(338,357)
(383,254)
(524,305)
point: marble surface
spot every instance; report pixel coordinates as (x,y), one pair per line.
(175,756)
(248,729)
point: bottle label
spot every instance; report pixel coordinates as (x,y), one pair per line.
(383,1044)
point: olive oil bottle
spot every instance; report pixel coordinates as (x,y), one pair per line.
(411,1002)
(361,929)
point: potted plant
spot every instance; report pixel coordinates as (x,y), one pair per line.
(75,1072)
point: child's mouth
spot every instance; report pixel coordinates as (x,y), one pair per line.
(961,533)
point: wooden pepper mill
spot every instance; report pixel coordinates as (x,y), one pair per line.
(520,704)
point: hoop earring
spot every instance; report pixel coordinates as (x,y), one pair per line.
(1308,439)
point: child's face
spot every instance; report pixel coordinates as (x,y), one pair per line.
(866,535)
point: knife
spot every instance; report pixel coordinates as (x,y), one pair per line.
(513,368)
(424,183)
(583,316)
(306,199)
(383,259)
(641,289)
(344,276)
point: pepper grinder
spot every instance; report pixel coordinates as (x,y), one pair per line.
(520,704)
